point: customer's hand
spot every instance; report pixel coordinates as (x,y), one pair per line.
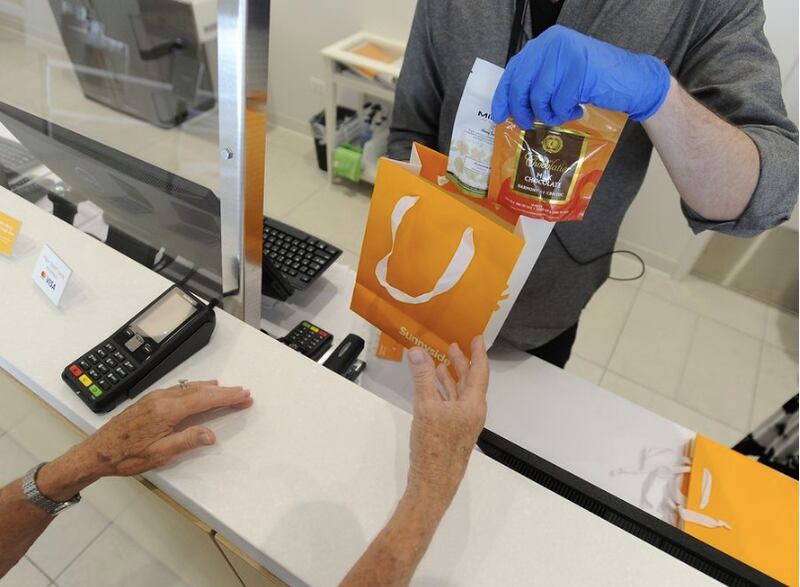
(445,429)
(561,69)
(145,436)
(443,434)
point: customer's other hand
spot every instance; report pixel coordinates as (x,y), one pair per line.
(145,435)
(445,429)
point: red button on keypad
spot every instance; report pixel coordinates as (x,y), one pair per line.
(75,370)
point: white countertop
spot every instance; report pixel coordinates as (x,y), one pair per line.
(552,413)
(305,478)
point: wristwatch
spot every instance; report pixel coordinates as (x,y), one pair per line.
(31,491)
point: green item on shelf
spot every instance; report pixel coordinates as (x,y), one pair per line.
(347,162)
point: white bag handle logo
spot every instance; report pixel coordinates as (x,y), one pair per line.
(451,276)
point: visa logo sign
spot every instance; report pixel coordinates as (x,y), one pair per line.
(51,274)
(50,283)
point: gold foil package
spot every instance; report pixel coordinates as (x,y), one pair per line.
(551,172)
(546,172)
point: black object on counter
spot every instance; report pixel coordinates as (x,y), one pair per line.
(308,340)
(345,354)
(148,346)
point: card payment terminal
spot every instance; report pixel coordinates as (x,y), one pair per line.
(159,338)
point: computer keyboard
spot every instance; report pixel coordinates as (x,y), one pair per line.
(16,158)
(300,257)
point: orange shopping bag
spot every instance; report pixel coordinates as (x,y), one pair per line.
(437,267)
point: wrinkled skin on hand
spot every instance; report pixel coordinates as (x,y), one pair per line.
(446,425)
(144,436)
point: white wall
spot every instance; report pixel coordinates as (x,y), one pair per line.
(40,24)
(11,9)
(301,28)
(654,226)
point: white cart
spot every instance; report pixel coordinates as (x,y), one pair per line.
(339,61)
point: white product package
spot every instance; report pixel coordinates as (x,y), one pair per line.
(472,142)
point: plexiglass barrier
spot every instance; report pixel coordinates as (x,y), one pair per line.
(109,120)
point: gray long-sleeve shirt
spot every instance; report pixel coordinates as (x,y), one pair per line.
(716,49)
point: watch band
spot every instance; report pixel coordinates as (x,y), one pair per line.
(31,490)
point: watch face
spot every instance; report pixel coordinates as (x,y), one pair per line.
(66,505)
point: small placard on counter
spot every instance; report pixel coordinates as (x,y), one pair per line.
(51,274)
(9,230)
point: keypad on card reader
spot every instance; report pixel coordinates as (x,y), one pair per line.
(308,340)
(102,368)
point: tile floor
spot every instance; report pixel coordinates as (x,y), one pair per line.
(86,546)
(710,359)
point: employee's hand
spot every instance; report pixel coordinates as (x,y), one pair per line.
(144,436)
(561,69)
(445,429)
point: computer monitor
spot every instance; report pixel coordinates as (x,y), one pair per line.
(158,218)
(141,57)
(687,549)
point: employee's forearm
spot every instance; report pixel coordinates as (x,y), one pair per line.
(393,556)
(22,522)
(714,165)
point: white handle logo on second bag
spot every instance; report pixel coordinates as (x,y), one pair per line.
(455,270)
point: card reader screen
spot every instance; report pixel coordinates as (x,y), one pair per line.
(162,319)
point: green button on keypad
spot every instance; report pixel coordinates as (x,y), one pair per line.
(96,391)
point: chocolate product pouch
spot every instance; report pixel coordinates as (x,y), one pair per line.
(472,141)
(550,172)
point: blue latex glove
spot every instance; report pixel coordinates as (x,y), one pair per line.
(561,69)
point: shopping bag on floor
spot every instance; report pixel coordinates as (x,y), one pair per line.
(437,267)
